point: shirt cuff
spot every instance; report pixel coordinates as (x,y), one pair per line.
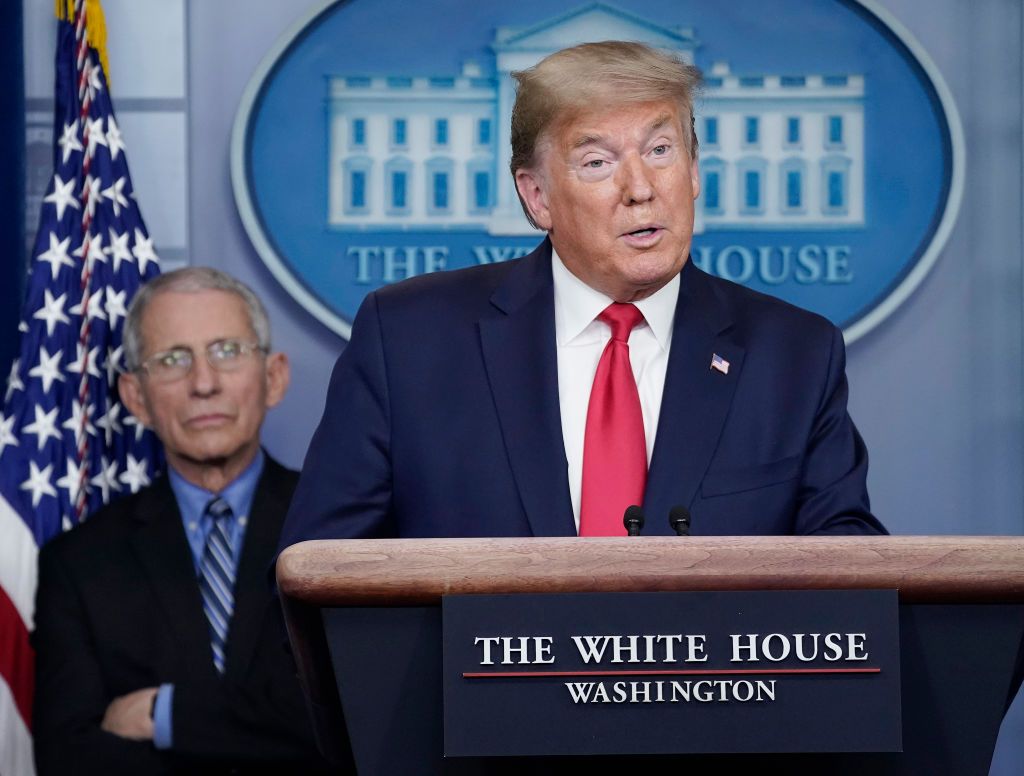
(162,728)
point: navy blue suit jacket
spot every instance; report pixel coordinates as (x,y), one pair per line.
(442,418)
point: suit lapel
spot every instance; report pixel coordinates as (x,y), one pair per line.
(518,343)
(696,398)
(269,505)
(159,543)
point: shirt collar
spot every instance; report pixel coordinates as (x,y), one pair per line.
(577,305)
(239,493)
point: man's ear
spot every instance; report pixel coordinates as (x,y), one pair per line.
(531,187)
(129,387)
(279,375)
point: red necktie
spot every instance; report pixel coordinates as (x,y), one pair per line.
(614,447)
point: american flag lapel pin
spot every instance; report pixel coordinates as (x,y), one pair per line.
(719,363)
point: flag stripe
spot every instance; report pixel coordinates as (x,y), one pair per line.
(16,658)
(16,744)
(18,553)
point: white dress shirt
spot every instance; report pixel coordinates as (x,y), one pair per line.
(580,339)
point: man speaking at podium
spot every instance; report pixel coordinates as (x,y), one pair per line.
(543,396)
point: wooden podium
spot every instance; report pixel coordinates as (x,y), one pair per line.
(364,616)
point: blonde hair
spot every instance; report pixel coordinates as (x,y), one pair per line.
(607,73)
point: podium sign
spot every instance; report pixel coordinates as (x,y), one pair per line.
(663,673)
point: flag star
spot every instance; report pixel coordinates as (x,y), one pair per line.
(52,311)
(48,368)
(22,327)
(91,191)
(106,480)
(116,196)
(44,427)
(110,423)
(143,250)
(14,382)
(69,141)
(119,248)
(95,251)
(39,483)
(92,72)
(134,474)
(89,362)
(7,435)
(113,354)
(72,481)
(114,142)
(62,197)
(74,424)
(57,256)
(115,308)
(140,429)
(95,306)
(95,136)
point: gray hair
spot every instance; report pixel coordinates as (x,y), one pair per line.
(189,280)
(611,72)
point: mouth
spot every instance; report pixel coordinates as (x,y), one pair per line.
(644,236)
(208,420)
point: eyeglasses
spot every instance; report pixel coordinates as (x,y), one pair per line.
(222,355)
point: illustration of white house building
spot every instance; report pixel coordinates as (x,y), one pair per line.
(431,153)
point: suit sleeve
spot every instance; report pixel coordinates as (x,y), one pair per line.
(70,698)
(345,488)
(833,496)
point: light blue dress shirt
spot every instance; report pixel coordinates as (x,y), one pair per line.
(192,501)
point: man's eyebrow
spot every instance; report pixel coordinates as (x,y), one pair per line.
(661,121)
(658,123)
(214,341)
(176,346)
(585,140)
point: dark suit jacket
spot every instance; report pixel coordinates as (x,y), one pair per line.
(442,417)
(119,609)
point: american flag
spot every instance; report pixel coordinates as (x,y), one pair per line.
(719,363)
(67,445)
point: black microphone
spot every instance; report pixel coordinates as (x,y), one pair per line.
(633,520)
(679,519)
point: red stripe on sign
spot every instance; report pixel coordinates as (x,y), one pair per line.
(702,672)
(17,660)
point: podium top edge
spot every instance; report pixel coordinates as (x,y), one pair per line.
(404,572)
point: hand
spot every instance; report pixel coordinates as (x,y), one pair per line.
(129,715)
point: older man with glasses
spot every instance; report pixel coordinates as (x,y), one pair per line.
(160,647)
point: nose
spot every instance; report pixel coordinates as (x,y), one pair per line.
(204,379)
(635,180)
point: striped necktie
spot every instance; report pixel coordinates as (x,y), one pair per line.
(217,579)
